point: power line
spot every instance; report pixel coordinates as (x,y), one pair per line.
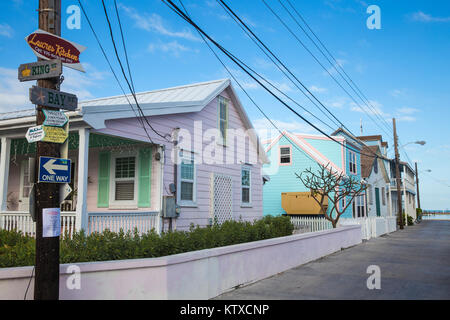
(242,88)
(111,68)
(333,64)
(124,46)
(281,69)
(279,61)
(316,59)
(125,76)
(180,13)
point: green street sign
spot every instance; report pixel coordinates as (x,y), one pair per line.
(54,118)
(53,98)
(40,70)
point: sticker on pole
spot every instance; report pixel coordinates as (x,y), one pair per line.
(54,170)
(51,222)
(35,134)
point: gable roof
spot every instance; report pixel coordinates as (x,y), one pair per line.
(350,137)
(181,99)
(368,160)
(308,149)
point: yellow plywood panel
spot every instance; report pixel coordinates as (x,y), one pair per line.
(300,203)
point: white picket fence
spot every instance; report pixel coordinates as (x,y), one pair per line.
(21,221)
(310,224)
(142,221)
(372,227)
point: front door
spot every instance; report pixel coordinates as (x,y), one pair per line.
(377,201)
(25,186)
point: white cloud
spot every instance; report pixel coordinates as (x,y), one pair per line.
(6,30)
(266,130)
(13,94)
(154,23)
(405,119)
(397,93)
(406,110)
(173,47)
(423,17)
(317,89)
(373,108)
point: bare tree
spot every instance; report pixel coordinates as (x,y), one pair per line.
(327,183)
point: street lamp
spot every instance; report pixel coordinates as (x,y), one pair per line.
(415,142)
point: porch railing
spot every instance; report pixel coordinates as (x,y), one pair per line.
(21,221)
(142,221)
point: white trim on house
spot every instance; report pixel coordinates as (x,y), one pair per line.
(249,169)
(123,204)
(193,202)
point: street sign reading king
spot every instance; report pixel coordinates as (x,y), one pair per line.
(48,46)
(40,70)
(52,98)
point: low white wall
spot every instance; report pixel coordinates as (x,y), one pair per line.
(200,274)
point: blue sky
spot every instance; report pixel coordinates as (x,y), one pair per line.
(403,68)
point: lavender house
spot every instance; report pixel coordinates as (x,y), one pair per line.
(195,147)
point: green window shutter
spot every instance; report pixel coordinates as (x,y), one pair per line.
(104,163)
(145,173)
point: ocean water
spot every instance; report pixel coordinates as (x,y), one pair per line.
(436,217)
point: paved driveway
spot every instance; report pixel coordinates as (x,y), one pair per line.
(414,264)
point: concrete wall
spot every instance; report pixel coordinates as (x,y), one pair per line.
(200,274)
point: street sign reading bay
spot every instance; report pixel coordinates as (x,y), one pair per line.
(53,98)
(54,170)
(54,118)
(40,70)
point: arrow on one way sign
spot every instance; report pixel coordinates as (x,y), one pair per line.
(50,166)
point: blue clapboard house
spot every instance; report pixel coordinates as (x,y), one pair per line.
(291,153)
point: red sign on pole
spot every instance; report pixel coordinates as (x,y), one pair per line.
(48,46)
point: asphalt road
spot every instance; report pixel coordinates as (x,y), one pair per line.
(414,264)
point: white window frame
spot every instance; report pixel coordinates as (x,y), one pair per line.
(123,204)
(353,159)
(219,119)
(290,155)
(249,203)
(186,203)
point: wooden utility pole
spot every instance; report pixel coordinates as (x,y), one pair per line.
(398,178)
(46,284)
(417,186)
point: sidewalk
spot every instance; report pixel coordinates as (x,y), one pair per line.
(414,263)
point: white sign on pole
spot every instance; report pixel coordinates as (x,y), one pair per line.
(35,134)
(54,118)
(51,222)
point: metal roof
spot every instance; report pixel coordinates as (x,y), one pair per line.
(193,94)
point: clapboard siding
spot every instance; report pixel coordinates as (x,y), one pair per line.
(208,118)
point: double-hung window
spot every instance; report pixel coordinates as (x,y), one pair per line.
(124,182)
(285,155)
(352,162)
(223,118)
(246,186)
(186,193)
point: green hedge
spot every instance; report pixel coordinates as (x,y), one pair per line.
(19,250)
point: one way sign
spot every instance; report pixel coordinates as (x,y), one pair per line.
(54,170)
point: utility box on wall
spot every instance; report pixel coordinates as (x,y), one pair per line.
(170,208)
(301,203)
